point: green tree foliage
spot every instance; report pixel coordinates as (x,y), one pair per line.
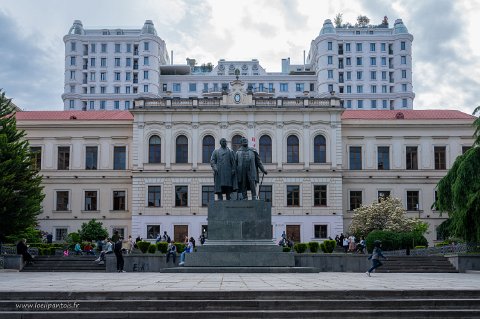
(338,20)
(393,240)
(387,214)
(458,193)
(362,21)
(21,193)
(92,230)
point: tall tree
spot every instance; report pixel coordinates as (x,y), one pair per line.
(458,193)
(20,184)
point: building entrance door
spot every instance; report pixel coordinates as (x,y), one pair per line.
(179,233)
(293,233)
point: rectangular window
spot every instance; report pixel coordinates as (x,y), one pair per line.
(402,45)
(146,46)
(403,59)
(117,76)
(117,47)
(116,105)
(103,76)
(92,105)
(355,199)
(330,74)
(320,231)
(61,234)
(349,89)
(373,103)
(61,203)
(320,195)
(349,75)
(91,155)
(359,61)
(384,103)
(404,87)
(119,200)
(153,231)
(404,103)
(299,86)
(154,196)
(145,88)
(373,61)
(329,46)
(208,195)
(145,60)
(359,47)
(348,61)
(103,105)
(145,75)
(92,61)
(128,76)
(265,193)
(404,74)
(127,90)
(465,149)
(411,158)
(349,104)
(329,59)
(73,60)
(355,155)
(384,75)
(119,157)
(383,47)
(73,46)
(384,61)
(384,89)
(383,158)
(382,195)
(372,47)
(359,88)
(413,200)
(71,104)
(91,200)
(36,156)
(373,75)
(103,90)
(117,62)
(359,75)
(128,62)
(360,104)
(116,90)
(347,47)
(270,87)
(440,157)
(176,87)
(192,87)
(129,47)
(92,76)
(283,87)
(63,158)
(293,195)
(127,103)
(103,62)
(104,48)
(373,89)
(72,75)
(181,196)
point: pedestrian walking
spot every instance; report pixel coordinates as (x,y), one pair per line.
(375,257)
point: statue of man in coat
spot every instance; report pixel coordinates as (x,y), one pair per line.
(248,163)
(224,174)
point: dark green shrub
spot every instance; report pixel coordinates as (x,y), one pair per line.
(323,247)
(420,247)
(313,246)
(180,247)
(394,241)
(143,246)
(52,251)
(162,247)
(286,249)
(329,246)
(300,248)
(152,248)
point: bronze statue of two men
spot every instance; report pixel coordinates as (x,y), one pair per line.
(236,171)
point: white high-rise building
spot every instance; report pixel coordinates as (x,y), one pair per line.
(369,67)
(106,69)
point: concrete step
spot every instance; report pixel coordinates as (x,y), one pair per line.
(83,263)
(240,270)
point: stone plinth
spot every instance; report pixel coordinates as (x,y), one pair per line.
(239,235)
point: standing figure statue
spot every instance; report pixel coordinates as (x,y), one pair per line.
(224,174)
(248,163)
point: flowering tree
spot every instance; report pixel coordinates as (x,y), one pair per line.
(387,214)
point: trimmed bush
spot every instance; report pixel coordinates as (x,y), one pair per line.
(313,246)
(300,248)
(152,248)
(162,247)
(143,246)
(323,247)
(180,247)
(329,245)
(286,249)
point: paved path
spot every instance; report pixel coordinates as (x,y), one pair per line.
(17,281)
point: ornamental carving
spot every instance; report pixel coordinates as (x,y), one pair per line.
(244,67)
(255,67)
(231,67)
(221,67)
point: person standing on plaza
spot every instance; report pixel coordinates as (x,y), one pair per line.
(345,244)
(223,165)
(375,257)
(117,249)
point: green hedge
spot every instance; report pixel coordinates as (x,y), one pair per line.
(143,246)
(180,247)
(162,247)
(286,249)
(313,246)
(394,241)
(328,246)
(152,248)
(300,247)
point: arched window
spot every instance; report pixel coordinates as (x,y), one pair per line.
(154,149)
(181,149)
(265,149)
(319,149)
(236,142)
(292,149)
(208,146)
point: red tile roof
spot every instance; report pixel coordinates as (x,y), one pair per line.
(406,115)
(74,115)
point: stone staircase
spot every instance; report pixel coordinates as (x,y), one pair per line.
(417,264)
(64,264)
(242,304)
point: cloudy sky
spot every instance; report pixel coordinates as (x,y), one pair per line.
(446,47)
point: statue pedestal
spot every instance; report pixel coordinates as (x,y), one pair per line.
(239,235)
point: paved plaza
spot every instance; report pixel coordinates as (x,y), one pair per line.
(19,282)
